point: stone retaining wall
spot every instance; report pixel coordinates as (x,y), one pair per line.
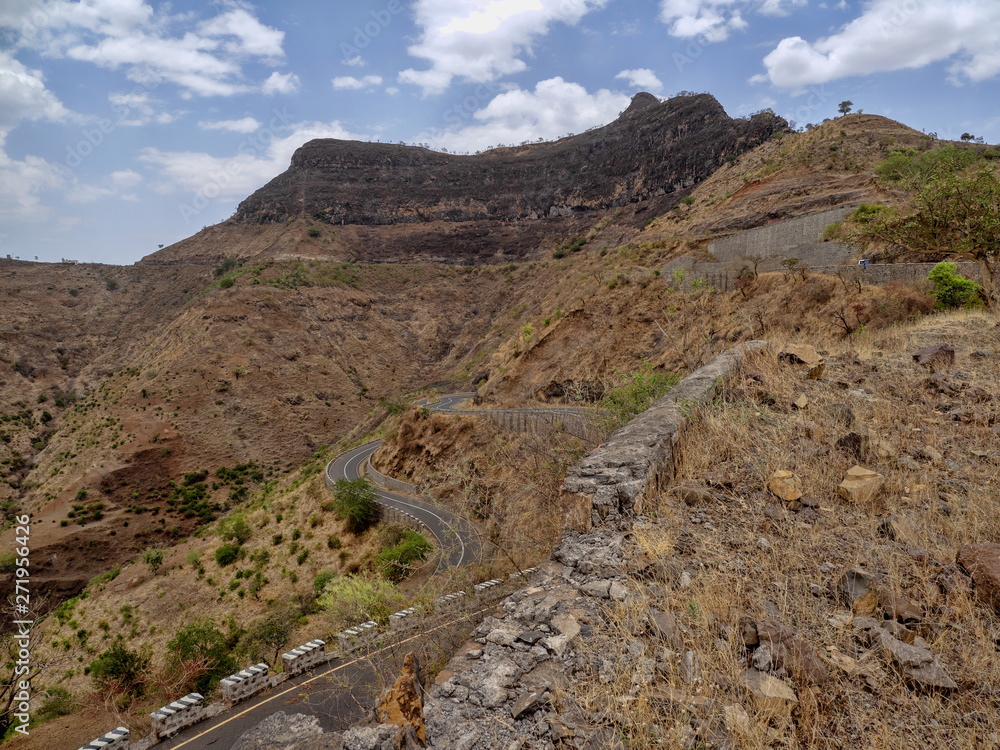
(298,660)
(616,481)
(383,480)
(537,421)
(242,685)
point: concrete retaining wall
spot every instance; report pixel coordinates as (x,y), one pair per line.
(115,740)
(396,485)
(356,637)
(617,480)
(176,716)
(402,619)
(300,659)
(800,238)
(242,685)
(724,278)
(537,421)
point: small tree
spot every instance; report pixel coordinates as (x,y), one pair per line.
(153,558)
(202,642)
(121,671)
(355,504)
(845,107)
(951,289)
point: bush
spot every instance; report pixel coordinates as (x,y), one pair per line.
(353,599)
(313,232)
(632,393)
(355,504)
(398,558)
(120,669)
(951,289)
(226,282)
(153,558)
(200,641)
(321,580)
(235,529)
(226,554)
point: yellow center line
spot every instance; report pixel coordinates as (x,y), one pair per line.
(324,674)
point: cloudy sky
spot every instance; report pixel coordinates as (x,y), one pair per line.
(126,124)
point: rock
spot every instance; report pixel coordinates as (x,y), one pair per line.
(529,703)
(855,444)
(281,731)
(691,668)
(763,544)
(917,665)
(694,703)
(897,607)
(531,637)
(800,354)
(842,414)
(801,402)
(931,454)
(617,591)
(761,658)
(982,563)
(402,704)
(597,589)
(853,585)
(933,357)
(381,737)
(693,496)
(785,485)
(664,626)
(866,605)
(772,696)
(860,485)
(748,632)
(791,653)
(605,739)
(775,512)
(736,720)
(817,372)
(900,529)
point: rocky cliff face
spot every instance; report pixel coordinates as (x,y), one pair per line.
(653,149)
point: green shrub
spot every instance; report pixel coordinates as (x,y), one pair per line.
(321,579)
(201,641)
(153,558)
(397,558)
(226,282)
(120,669)
(235,529)
(630,394)
(333,542)
(953,290)
(313,232)
(226,554)
(353,599)
(355,504)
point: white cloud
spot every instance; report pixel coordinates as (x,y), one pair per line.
(245,125)
(889,36)
(555,108)
(136,108)
(482,40)
(23,96)
(202,58)
(391,90)
(258,159)
(642,78)
(355,62)
(714,20)
(350,82)
(126,178)
(280,84)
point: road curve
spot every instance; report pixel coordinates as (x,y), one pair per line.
(456,537)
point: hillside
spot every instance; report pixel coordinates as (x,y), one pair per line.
(273,339)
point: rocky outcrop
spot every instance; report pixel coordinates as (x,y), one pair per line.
(502,197)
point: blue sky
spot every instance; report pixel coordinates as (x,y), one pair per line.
(126,124)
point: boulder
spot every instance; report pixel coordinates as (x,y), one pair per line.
(853,585)
(402,704)
(860,485)
(772,696)
(982,563)
(933,357)
(664,626)
(918,665)
(900,529)
(785,485)
(800,354)
(529,703)
(801,402)
(791,653)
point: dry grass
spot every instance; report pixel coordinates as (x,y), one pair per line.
(743,563)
